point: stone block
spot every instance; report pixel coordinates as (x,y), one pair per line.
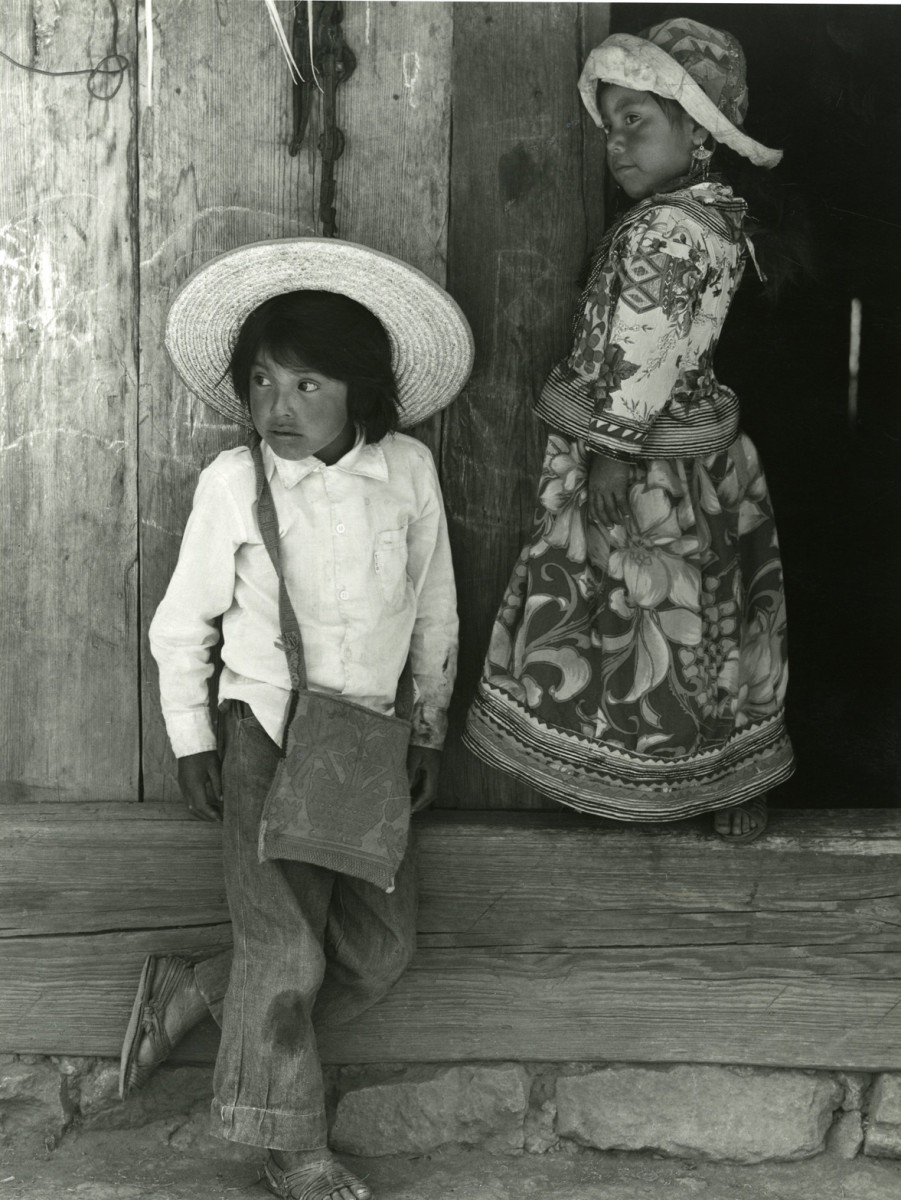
(883,1141)
(73,1067)
(856,1084)
(845,1138)
(33,1101)
(885,1102)
(733,1114)
(422,1110)
(172,1091)
(539,1134)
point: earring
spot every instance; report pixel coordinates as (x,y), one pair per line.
(700,162)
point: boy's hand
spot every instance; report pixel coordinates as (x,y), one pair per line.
(423,767)
(608,490)
(200,780)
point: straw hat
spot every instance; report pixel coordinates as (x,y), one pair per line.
(431,342)
(701,68)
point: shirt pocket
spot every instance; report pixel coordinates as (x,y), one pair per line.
(391,566)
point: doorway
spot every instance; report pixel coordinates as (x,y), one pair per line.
(823,87)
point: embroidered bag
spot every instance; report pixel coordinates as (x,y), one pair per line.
(340,797)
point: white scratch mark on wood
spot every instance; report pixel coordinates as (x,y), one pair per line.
(368,21)
(26,439)
(148,32)
(146,523)
(278,221)
(47,306)
(412,73)
(12,273)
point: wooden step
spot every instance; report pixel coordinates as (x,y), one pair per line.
(541,936)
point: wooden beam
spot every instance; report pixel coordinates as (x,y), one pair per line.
(87,868)
(541,936)
(529,881)
(68,411)
(755,1005)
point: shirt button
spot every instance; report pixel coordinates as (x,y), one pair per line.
(339,528)
(343,594)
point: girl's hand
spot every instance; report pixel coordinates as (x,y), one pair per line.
(423,767)
(200,780)
(608,490)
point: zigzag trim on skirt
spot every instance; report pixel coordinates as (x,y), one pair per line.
(619,784)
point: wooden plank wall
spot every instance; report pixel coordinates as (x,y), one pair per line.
(69,725)
(541,936)
(215,173)
(525,211)
(505,217)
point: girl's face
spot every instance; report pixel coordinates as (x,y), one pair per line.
(644,150)
(298,411)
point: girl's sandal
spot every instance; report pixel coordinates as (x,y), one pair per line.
(316,1181)
(160,980)
(756,809)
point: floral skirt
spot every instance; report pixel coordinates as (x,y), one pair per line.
(639,672)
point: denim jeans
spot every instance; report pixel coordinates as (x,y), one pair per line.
(307,943)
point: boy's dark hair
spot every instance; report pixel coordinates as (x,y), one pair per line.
(777,217)
(333,335)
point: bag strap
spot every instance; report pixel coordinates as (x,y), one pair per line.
(291,641)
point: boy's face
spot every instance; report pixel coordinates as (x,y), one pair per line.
(298,411)
(644,150)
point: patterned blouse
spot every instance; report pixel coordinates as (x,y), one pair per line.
(639,381)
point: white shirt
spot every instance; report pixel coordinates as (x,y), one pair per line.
(367,563)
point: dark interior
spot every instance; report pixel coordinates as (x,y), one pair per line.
(824,86)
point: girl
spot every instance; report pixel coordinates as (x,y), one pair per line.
(323,348)
(637,666)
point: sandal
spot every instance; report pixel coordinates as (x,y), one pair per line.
(160,979)
(756,809)
(316,1181)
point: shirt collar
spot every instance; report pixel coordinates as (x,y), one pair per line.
(361,459)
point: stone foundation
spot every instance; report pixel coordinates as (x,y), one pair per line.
(717,1113)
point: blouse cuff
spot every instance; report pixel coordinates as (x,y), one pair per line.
(190,732)
(617,438)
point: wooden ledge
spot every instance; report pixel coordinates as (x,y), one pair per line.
(541,936)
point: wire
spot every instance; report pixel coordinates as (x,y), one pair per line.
(99,69)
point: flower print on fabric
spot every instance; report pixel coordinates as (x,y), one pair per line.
(660,598)
(660,289)
(639,380)
(639,672)
(562,491)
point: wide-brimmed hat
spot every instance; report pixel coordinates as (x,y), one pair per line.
(703,69)
(431,342)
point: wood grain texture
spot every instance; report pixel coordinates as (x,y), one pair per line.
(830,1008)
(142,866)
(68,384)
(525,882)
(65,993)
(215,173)
(540,936)
(394,177)
(519,238)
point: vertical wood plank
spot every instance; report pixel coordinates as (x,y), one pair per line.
(215,173)
(68,610)
(519,239)
(394,179)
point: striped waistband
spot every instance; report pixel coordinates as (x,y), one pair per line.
(680,431)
